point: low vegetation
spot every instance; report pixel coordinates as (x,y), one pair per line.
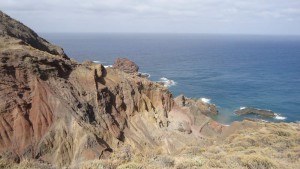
(24,164)
(272,146)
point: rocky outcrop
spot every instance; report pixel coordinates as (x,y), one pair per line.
(193,116)
(197,105)
(126,65)
(12,28)
(260,112)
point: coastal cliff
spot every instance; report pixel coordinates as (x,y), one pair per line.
(56,112)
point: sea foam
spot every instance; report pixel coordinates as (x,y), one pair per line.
(107,66)
(205,100)
(167,82)
(242,108)
(97,61)
(279,117)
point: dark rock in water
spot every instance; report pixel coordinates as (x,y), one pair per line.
(126,65)
(143,75)
(13,28)
(265,113)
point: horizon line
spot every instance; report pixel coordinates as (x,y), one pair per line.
(171,33)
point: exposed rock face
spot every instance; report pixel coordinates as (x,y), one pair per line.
(12,28)
(126,65)
(197,105)
(62,112)
(192,116)
(265,113)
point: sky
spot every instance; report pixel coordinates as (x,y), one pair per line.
(279,17)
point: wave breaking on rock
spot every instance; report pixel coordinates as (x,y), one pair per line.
(167,82)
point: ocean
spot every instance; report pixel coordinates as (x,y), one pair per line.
(231,71)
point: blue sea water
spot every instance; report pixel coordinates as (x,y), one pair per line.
(232,70)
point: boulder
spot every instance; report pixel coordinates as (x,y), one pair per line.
(126,65)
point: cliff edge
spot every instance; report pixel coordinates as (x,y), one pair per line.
(15,29)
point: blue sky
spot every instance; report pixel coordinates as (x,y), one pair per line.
(158,16)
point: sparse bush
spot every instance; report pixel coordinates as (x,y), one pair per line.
(243,141)
(189,163)
(281,133)
(130,165)
(215,150)
(193,150)
(98,164)
(163,161)
(215,164)
(5,163)
(236,149)
(92,165)
(24,164)
(257,162)
(123,154)
(293,156)
(126,152)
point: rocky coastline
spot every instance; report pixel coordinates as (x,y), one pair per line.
(58,113)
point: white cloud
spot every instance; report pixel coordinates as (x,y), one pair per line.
(156,15)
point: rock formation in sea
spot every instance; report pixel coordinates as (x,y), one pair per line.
(260,112)
(56,112)
(126,65)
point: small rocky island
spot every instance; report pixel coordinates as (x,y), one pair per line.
(58,113)
(254,111)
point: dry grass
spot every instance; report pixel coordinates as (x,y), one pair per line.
(98,164)
(271,146)
(257,161)
(24,164)
(131,165)
(163,161)
(5,163)
(194,162)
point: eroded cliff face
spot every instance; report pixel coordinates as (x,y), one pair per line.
(47,100)
(65,113)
